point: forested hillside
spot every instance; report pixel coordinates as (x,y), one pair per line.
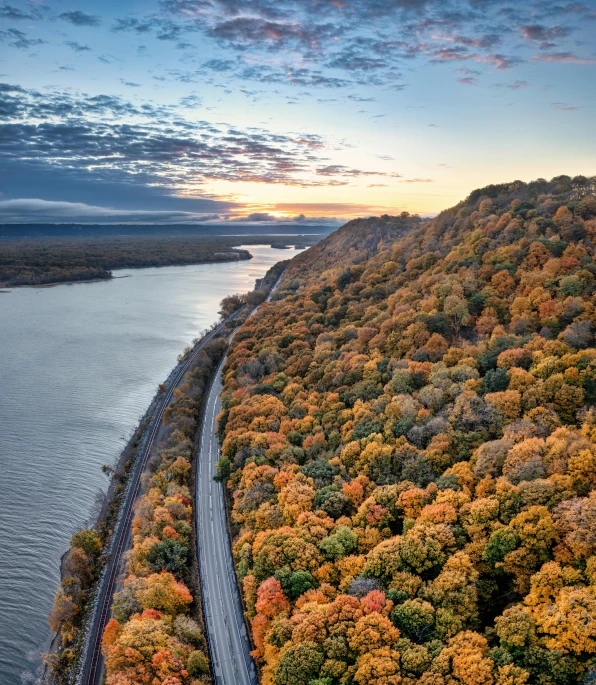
(410,444)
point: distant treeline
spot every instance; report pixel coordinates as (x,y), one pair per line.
(138,230)
(40,261)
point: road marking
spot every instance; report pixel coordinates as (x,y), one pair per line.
(225,621)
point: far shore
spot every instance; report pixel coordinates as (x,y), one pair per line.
(74,282)
(54,284)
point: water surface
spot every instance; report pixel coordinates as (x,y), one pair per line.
(79,364)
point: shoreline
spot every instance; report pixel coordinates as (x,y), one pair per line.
(54,284)
(111,510)
(83,281)
(116,496)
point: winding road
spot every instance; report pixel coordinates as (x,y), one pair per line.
(227,636)
(229,644)
(91,668)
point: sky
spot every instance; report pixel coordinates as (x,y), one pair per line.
(295,110)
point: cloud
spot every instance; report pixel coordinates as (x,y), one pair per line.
(242,32)
(358,38)
(164,29)
(334,209)
(297,219)
(343,171)
(12,88)
(518,85)
(563,106)
(281,50)
(33,210)
(301,76)
(353,60)
(132,24)
(483,41)
(268,74)
(191,101)
(545,37)
(219,65)
(451,54)
(564,57)
(500,62)
(18,39)
(260,216)
(346,43)
(454,54)
(361,98)
(17,14)
(78,18)
(106,137)
(578,8)
(77,47)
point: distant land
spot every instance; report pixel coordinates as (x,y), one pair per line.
(47,254)
(100,230)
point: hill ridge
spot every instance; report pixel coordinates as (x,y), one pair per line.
(409,438)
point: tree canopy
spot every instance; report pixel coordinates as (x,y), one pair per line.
(410,445)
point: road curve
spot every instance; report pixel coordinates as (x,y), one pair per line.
(229,645)
(91,668)
(227,636)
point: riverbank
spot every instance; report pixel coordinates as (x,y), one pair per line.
(79,636)
(49,261)
(146,453)
(55,285)
(45,262)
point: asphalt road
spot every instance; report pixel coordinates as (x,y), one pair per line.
(227,636)
(91,669)
(229,645)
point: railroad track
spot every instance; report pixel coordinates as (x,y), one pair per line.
(90,669)
(91,665)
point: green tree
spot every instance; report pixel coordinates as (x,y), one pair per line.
(299,664)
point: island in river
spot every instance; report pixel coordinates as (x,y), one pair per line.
(34,259)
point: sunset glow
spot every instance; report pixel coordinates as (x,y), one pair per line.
(192,110)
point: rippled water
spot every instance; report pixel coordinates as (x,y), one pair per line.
(79,365)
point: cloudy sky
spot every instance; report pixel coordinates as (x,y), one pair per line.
(204,110)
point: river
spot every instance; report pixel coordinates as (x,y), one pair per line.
(80,364)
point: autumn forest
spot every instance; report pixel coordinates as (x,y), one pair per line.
(409,444)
